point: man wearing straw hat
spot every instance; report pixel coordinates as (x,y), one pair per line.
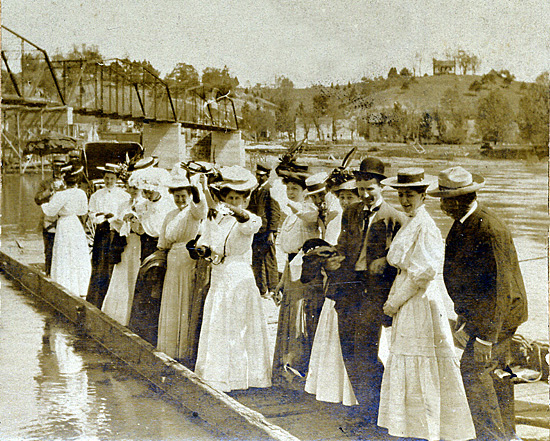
(483,278)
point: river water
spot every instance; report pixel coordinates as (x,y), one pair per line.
(56,385)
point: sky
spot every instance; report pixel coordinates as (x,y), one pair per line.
(308,41)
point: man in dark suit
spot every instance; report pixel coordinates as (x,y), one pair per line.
(264,263)
(483,278)
(363,282)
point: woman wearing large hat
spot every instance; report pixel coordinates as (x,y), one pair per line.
(233,349)
(120,295)
(292,346)
(422,394)
(103,205)
(71,266)
(180,226)
(150,215)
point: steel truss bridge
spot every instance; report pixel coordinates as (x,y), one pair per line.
(38,91)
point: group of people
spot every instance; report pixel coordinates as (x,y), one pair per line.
(183,258)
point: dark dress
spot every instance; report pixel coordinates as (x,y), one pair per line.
(101,265)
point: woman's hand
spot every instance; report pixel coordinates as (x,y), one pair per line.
(390,309)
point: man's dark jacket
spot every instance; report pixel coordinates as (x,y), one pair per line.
(268,209)
(383,228)
(483,277)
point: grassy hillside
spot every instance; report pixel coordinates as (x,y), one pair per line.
(418,93)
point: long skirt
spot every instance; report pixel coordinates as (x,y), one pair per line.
(145,310)
(71,266)
(422,394)
(101,267)
(173,332)
(233,347)
(120,295)
(327,377)
(292,345)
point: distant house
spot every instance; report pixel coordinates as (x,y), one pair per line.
(441,67)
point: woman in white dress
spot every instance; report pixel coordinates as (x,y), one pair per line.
(327,377)
(71,264)
(233,348)
(180,226)
(422,393)
(120,295)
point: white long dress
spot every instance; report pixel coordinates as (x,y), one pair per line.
(120,295)
(173,331)
(71,264)
(422,393)
(233,347)
(327,377)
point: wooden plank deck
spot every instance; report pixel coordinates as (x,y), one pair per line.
(253,414)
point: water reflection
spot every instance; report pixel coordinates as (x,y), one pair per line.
(56,385)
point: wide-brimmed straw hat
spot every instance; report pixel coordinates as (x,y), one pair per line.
(145,163)
(110,168)
(236,178)
(370,168)
(456,181)
(347,185)
(150,178)
(316,183)
(178,179)
(409,177)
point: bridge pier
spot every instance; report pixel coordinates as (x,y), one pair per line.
(227,148)
(165,141)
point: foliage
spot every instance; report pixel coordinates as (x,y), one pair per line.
(452,117)
(405,72)
(257,121)
(285,113)
(183,76)
(533,113)
(393,73)
(220,79)
(467,62)
(494,117)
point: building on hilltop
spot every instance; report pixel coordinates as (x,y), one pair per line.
(441,67)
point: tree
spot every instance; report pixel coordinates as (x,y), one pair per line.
(183,76)
(534,110)
(405,72)
(393,73)
(467,61)
(257,121)
(285,114)
(452,117)
(494,117)
(220,79)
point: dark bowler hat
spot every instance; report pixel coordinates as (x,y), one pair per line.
(408,177)
(262,169)
(370,168)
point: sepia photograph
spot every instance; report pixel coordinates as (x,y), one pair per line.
(274,220)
